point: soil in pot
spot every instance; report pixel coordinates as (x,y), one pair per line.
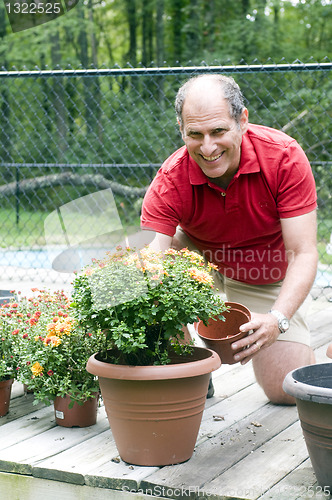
(5,392)
(312,387)
(78,415)
(155,411)
(219,335)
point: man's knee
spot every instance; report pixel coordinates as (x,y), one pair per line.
(278,396)
(272,364)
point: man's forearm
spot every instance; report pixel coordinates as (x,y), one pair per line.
(298,281)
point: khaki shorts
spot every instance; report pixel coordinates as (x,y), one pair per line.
(257,298)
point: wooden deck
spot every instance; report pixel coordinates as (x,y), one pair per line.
(246,448)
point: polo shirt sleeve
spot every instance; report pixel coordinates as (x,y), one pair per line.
(296,194)
(161,206)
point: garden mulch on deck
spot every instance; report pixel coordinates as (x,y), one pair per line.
(246,448)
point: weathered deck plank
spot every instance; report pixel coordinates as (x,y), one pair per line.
(26,427)
(300,484)
(227,448)
(22,456)
(258,471)
(20,406)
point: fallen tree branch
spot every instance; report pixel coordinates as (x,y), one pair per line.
(52,180)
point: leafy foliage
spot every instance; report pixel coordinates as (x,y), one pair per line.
(142,300)
(48,351)
(178,31)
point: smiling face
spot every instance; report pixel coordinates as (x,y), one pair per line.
(213,138)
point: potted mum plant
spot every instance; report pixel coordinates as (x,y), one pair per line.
(51,355)
(141,301)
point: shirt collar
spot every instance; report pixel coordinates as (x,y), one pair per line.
(248,163)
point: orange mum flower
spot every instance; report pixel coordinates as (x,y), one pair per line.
(51,329)
(63,327)
(200,275)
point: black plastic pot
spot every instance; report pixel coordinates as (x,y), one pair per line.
(312,387)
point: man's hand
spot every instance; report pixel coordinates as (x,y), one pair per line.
(265,331)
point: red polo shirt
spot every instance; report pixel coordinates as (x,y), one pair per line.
(239,228)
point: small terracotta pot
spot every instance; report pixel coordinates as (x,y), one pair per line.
(79,415)
(5,392)
(219,335)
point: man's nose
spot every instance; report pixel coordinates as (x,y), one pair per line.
(208,145)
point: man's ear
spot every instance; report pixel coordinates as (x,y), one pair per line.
(181,129)
(244,119)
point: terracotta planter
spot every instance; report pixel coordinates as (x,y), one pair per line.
(219,335)
(5,392)
(312,387)
(79,415)
(155,411)
(329,351)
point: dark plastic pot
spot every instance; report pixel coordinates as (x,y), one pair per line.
(312,388)
(219,335)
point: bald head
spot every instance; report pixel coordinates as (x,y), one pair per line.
(202,85)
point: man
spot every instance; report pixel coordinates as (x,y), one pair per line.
(244,195)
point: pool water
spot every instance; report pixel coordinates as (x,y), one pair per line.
(27,258)
(60,259)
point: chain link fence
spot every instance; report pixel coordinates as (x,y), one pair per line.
(66,134)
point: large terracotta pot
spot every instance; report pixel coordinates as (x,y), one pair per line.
(155,411)
(329,351)
(312,387)
(5,392)
(219,335)
(82,415)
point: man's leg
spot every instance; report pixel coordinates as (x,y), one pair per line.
(272,364)
(292,350)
